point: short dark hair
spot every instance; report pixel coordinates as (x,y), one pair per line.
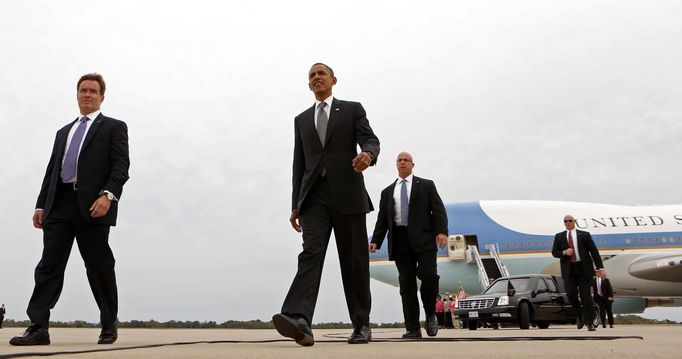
(331,72)
(93,77)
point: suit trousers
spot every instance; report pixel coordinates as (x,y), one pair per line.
(317,218)
(59,229)
(604,309)
(580,282)
(412,265)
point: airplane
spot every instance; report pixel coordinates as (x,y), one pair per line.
(641,247)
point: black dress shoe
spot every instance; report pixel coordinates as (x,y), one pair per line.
(610,325)
(294,328)
(109,334)
(413,334)
(580,323)
(362,335)
(603,325)
(591,328)
(107,337)
(431,325)
(34,335)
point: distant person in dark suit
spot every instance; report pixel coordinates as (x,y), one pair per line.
(603,296)
(578,256)
(413,215)
(79,199)
(329,194)
(2,315)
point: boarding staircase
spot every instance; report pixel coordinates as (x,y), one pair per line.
(490,267)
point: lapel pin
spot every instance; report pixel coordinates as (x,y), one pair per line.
(336,109)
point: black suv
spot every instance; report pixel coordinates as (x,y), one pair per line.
(524,299)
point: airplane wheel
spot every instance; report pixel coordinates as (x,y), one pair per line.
(472,324)
(524,316)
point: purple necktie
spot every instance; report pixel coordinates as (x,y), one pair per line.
(71,157)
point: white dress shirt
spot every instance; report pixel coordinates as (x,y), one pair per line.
(91,117)
(327,108)
(574,234)
(396,197)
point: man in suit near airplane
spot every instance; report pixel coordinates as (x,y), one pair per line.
(578,256)
(79,198)
(603,296)
(329,194)
(2,315)
(413,215)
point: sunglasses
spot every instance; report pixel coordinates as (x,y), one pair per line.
(568,220)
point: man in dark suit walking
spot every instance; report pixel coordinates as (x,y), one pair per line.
(578,256)
(79,198)
(2,315)
(413,215)
(603,296)
(329,194)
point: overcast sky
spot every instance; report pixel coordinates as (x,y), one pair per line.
(546,100)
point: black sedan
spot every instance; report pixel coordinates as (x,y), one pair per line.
(525,299)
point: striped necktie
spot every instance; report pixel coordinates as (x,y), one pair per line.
(404,203)
(71,158)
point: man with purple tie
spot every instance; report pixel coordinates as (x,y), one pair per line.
(79,199)
(578,256)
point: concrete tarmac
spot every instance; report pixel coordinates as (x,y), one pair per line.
(623,341)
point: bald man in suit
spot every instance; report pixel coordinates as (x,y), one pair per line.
(414,217)
(578,256)
(329,194)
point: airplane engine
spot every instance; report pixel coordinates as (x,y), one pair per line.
(629,305)
(637,305)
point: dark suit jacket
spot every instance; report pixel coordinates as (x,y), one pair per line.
(606,288)
(102,165)
(426,219)
(589,254)
(347,127)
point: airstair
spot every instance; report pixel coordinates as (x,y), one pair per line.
(465,247)
(490,267)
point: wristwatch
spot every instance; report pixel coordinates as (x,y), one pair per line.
(110,196)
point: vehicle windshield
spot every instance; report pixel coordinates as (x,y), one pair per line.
(501,286)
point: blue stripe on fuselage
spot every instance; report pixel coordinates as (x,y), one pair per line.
(470,219)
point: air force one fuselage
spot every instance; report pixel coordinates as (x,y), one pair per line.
(641,247)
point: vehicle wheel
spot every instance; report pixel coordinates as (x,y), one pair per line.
(524,316)
(472,324)
(542,324)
